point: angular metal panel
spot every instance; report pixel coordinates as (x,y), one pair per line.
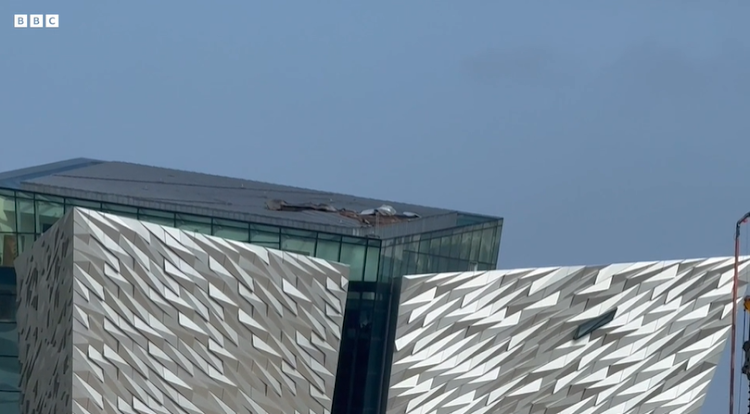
(502,341)
(123,316)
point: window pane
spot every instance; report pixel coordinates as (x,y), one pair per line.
(371,265)
(354,256)
(328,250)
(8,335)
(306,234)
(74,202)
(25,241)
(270,245)
(386,266)
(298,245)
(197,224)
(8,249)
(10,402)
(423,263)
(465,246)
(326,236)
(442,265)
(7,214)
(398,261)
(435,247)
(264,235)
(157,217)
(455,265)
(10,373)
(484,266)
(7,306)
(455,243)
(476,237)
(488,241)
(232,230)
(445,246)
(47,214)
(162,221)
(119,210)
(424,246)
(410,262)
(25,215)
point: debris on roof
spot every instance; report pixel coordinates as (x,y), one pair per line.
(281,205)
(382,215)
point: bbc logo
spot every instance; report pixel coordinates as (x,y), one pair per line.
(36,20)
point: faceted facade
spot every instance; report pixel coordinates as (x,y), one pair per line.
(117,315)
(631,338)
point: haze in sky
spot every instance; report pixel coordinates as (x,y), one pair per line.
(602,131)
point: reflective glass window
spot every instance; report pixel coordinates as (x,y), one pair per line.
(232,230)
(386,264)
(8,338)
(445,246)
(456,265)
(409,267)
(484,266)
(488,241)
(354,256)
(9,402)
(371,264)
(197,224)
(476,239)
(74,202)
(10,373)
(264,235)
(422,262)
(7,306)
(25,214)
(455,246)
(296,244)
(7,214)
(465,250)
(424,246)
(442,265)
(25,241)
(435,247)
(120,210)
(328,249)
(47,214)
(162,218)
(8,249)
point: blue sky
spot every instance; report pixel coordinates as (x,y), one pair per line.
(602,131)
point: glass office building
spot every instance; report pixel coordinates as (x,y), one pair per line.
(379,240)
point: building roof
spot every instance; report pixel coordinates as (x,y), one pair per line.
(232,198)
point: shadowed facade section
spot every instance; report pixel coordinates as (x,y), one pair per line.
(117,315)
(630,338)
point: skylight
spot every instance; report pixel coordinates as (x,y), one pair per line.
(594,324)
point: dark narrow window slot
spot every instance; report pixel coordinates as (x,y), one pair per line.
(594,324)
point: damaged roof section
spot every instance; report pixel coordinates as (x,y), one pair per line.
(381,216)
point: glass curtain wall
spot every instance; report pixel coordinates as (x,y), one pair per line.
(24,216)
(10,370)
(369,322)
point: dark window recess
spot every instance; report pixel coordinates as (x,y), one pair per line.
(7,307)
(594,324)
